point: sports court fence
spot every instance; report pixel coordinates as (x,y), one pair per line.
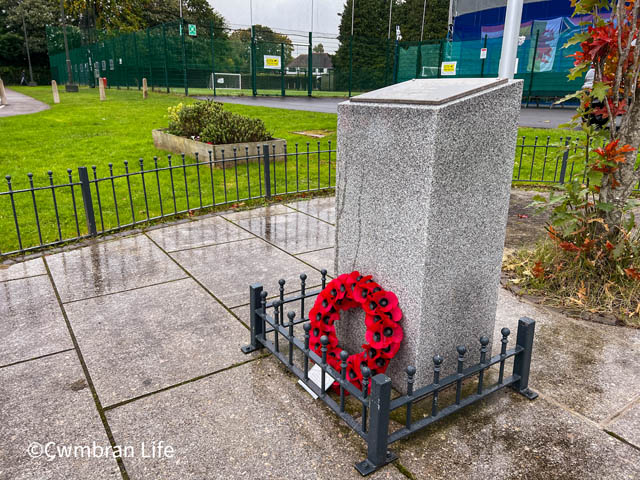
(203,60)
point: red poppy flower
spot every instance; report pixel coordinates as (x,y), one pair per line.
(318,329)
(346,304)
(336,290)
(394,315)
(383,333)
(370,306)
(363,289)
(390,350)
(387,300)
(352,280)
(354,369)
(375,361)
(323,302)
(371,320)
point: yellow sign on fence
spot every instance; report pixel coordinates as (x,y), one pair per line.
(272,62)
(448,68)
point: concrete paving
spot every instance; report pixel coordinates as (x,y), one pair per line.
(19,104)
(542,117)
(135,343)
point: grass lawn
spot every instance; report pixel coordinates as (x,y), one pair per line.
(82,131)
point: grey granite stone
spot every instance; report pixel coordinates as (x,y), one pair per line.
(109,267)
(267,211)
(31,322)
(29,268)
(509,437)
(143,340)
(250,422)
(320,259)
(48,400)
(294,232)
(323,208)
(627,425)
(422,199)
(199,233)
(228,269)
(432,91)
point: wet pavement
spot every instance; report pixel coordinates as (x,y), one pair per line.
(136,342)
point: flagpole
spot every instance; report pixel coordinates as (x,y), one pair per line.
(510,39)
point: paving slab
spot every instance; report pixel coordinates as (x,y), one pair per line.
(509,437)
(199,233)
(590,368)
(321,259)
(627,425)
(293,232)
(47,400)
(323,208)
(228,269)
(252,421)
(276,209)
(143,340)
(29,268)
(109,267)
(31,322)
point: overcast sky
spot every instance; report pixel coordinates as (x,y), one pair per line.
(283,14)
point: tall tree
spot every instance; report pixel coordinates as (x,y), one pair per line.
(370,51)
(436,17)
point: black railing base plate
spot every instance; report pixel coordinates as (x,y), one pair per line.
(250,348)
(527,392)
(366,467)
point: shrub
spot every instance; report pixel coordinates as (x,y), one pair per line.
(232,128)
(208,122)
(191,120)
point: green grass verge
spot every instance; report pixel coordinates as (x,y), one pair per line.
(82,131)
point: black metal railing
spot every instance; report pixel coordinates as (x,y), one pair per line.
(267,319)
(551,162)
(34,217)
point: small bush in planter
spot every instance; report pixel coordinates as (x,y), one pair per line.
(208,122)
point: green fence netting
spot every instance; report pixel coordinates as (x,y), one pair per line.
(201,59)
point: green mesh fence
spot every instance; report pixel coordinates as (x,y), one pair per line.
(206,60)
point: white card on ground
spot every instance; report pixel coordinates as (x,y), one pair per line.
(315,375)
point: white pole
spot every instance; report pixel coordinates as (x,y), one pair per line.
(251,11)
(353,6)
(424,12)
(180,8)
(390,7)
(510,39)
(311,16)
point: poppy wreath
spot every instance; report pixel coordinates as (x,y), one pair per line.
(382,317)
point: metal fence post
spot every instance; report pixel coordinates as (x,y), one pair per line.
(379,402)
(565,160)
(213,57)
(85,188)
(282,69)
(166,67)
(482,66)
(184,59)
(396,61)
(135,49)
(522,361)
(310,66)
(256,323)
(440,57)
(533,67)
(267,171)
(254,89)
(350,63)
